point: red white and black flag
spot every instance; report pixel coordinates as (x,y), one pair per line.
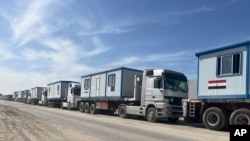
(217,84)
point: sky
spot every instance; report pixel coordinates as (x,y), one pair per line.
(44,41)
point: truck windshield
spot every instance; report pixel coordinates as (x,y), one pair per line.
(176,85)
(77,91)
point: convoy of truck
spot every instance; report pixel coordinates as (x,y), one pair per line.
(219,97)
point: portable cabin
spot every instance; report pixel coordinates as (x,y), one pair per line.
(224,72)
(26,95)
(36,92)
(115,83)
(58,90)
(20,96)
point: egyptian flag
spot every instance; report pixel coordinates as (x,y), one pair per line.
(217,84)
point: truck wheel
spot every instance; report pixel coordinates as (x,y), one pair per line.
(215,118)
(86,107)
(173,120)
(93,109)
(81,107)
(151,115)
(240,117)
(122,111)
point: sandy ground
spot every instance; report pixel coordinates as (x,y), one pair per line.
(16,125)
(51,124)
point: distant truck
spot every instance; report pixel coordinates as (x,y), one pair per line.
(63,94)
(36,94)
(19,96)
(222,89)
(26,95)
(8,97)
(152,93)
(44,100)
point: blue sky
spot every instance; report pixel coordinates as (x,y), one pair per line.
(42,41)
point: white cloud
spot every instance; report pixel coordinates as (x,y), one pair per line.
(6,52)
(105,29)
(125,61)
(99,47)
(29,25)
(171,58)
(17,81)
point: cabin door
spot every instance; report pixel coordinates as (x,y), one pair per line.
(97,86)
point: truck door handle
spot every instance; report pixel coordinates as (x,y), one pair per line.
(153,96)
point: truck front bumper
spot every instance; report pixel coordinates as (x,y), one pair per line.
(173,111)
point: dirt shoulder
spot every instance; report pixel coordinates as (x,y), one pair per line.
(17,125)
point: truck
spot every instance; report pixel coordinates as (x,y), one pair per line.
(222,88)
(26,95)
(64,94)
(152,93)
(43,101)
(8,97)
(15,95)
(36,94)
(19,96)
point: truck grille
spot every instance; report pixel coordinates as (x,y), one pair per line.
(174,100)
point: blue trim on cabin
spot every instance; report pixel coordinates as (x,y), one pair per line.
(247,71)
(117,97)
(96,97)
(224,96)
(62,81)
(246,43)
(112,70)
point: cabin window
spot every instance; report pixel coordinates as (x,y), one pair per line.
(229,64)
(111,80)
(86,83)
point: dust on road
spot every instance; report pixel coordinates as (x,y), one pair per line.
(17,125)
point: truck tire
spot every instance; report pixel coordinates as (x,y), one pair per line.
(151,115)
(172,120)
(86,107)
(240,117)
(122,111)
(93,109)
(81,107)
(215,118)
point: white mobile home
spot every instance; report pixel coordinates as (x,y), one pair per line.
(224,72)
(20,96)
(222,88)
(36,94)
(115,83)
(26,95)
(58,90)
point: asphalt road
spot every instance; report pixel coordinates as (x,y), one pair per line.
(112,128)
